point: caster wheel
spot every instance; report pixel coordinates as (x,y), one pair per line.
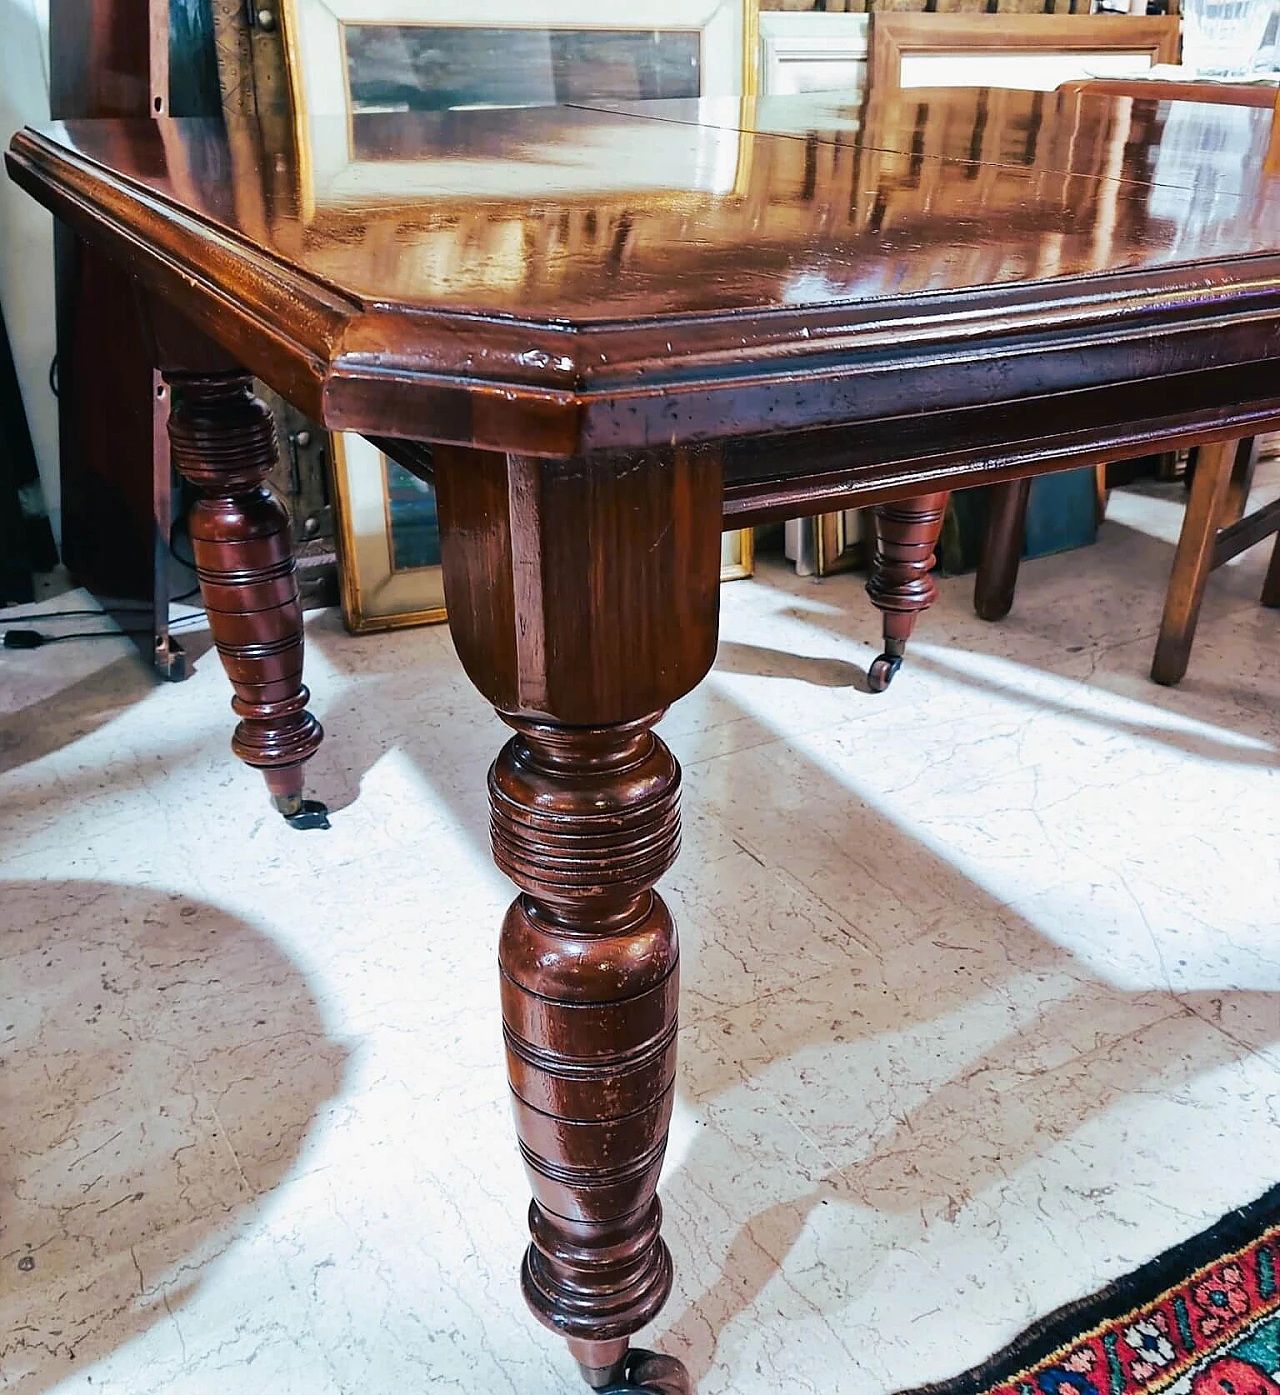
(648,1373)
(881,672)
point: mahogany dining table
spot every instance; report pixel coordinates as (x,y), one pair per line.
(610,331)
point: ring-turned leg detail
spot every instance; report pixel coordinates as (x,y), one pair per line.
(583,597)
(585,820)
(223,440)
(900,585)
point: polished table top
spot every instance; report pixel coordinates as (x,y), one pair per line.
(558,279)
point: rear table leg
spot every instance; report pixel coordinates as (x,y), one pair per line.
(223,441)
(1271,586)
(900,585)
(1002,543)
(1193,561)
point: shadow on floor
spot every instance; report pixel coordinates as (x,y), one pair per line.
(1051,1068)
(732,657)
(964,1130)
(166,1075)
(72,713)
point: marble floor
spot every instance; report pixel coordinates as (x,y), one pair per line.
(981,1008)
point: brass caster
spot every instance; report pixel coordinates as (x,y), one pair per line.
(881,672)
(302,813)
(648,1373)
(287,805)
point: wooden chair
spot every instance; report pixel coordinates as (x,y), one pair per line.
(1215,528)
(904,533)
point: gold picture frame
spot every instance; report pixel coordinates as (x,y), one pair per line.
(737,554)
(377,594)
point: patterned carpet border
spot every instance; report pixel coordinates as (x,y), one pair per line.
(1201,1319)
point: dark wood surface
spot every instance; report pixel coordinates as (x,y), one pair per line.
(831,280)
(111,58)
(694,312)
(101,65)
(105,57)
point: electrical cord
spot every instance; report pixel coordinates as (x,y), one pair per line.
(37,639)
(23,638)
(33,639)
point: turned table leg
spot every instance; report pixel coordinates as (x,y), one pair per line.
(584,821)
(583,598)
(223,441)
(900,585)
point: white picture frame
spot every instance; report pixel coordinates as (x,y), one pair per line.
(808,51)
(331,174)
(1028,72)
(314,43)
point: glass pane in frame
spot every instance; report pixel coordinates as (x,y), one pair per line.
(412,522)
(428,67)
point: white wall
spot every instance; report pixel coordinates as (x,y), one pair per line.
(26,237)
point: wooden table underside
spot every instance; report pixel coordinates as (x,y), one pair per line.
(868,315)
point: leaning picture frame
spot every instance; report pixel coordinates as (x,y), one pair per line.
(351,58)
(387,539)
(384,517)
(813,51)
(318,40)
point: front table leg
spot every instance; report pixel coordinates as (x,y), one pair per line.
(223,440)
(583,598)
(900,585)
(584,821)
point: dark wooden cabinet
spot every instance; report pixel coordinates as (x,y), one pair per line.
(119,495)
(110,58)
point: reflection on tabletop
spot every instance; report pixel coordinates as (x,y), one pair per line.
(721,203)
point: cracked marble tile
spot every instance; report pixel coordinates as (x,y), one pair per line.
(980,1009)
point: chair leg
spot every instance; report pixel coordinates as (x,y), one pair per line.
(1271,586)
(1002,543)
(1193,561)
(1242,470)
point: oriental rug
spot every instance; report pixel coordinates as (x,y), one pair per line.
(1202,1319)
